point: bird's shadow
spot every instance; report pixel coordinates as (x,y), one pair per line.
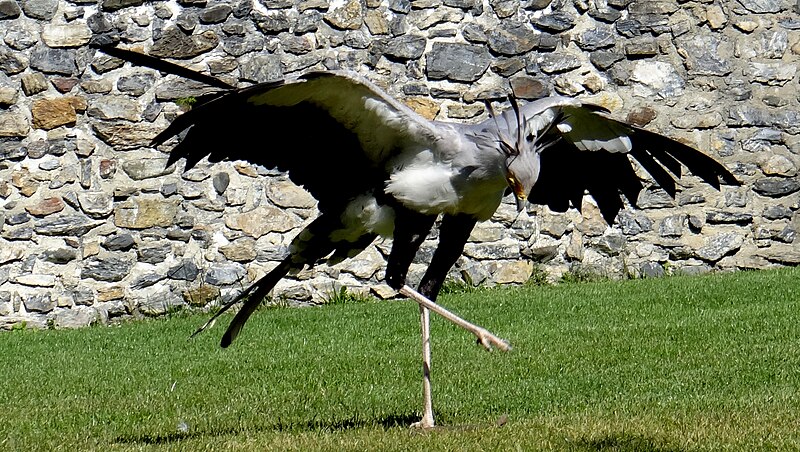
(626,442)
(403,420)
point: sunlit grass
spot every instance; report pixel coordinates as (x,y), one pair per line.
(704,363)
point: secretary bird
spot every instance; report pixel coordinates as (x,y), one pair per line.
(377,168)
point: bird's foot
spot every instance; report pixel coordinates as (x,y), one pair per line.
(487,340)
(424,423)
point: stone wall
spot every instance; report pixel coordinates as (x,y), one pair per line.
(95,228)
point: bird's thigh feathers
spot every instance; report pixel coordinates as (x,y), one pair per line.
(364,215)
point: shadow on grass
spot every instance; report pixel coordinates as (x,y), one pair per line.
(625,442)
(403,420)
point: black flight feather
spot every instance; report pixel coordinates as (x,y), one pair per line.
(659,174)
(698,163)
(141,59)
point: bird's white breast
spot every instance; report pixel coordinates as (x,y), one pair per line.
(430,184)
(424,187)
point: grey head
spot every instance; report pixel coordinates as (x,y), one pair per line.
(519,142)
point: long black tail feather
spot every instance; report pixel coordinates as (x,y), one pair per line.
(252,297)
(262,288)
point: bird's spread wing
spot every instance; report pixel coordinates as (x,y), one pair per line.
(589,152)
(333,132)
(356,105)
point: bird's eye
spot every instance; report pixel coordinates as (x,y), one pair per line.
(530,138)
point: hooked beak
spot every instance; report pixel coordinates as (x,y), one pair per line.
(519,191)
(521,198)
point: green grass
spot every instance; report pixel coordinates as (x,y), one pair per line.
(680,363)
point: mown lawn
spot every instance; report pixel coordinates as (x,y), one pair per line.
(702,363)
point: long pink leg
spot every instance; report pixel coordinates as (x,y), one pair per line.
(427,399)
(485,338)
